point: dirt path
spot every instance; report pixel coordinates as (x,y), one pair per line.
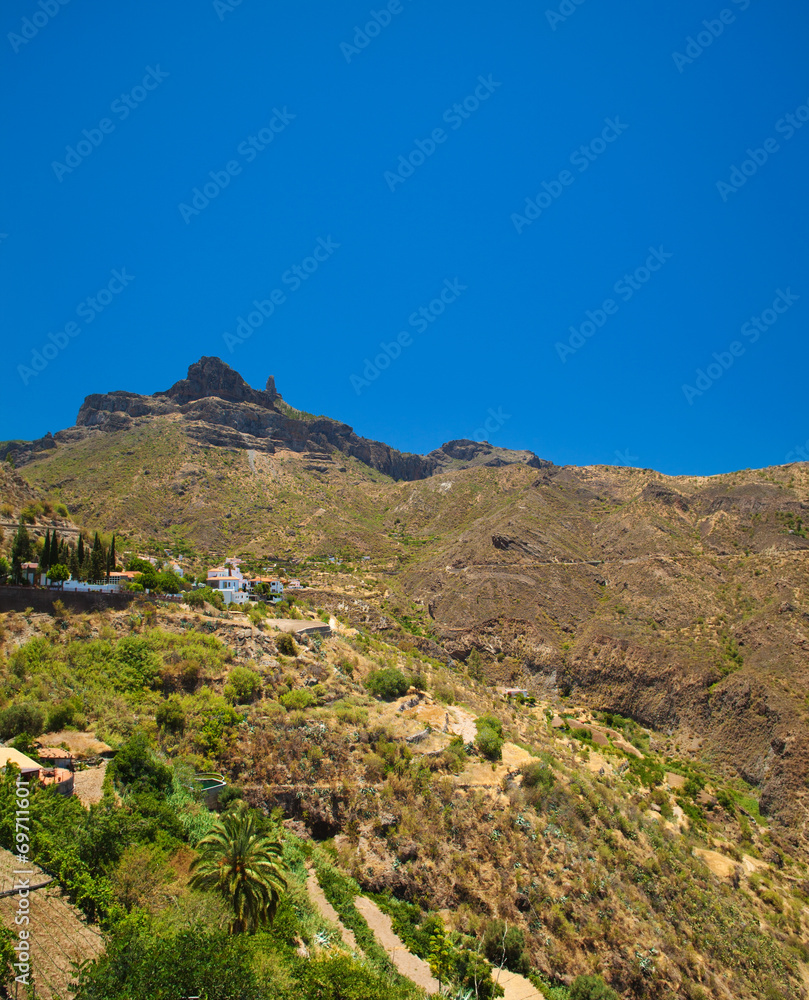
(416,970)
(516,987)
(87,784)
(328,912)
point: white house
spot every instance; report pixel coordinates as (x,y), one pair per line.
(230,583)
(274,585)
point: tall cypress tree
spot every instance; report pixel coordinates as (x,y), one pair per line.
(20,551)
(80,551)
(45,558)
(111,556)
(53,558)
(98,560)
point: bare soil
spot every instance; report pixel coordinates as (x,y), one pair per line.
(416,969)
(87,784)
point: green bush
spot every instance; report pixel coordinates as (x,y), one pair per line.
(285,645)
(206,595)
(136,769)
(489,743)
(170,716)
(60,716)
(490,736)
(591,988)
(142,963)
(387,683)
(21,718)
(242,684)
(504,945)
(297,700)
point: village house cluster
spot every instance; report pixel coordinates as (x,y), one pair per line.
(236,588)
(227,579)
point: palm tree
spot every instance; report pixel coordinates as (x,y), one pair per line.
(244,864)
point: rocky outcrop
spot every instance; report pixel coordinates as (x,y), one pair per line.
(222,410)
(464,453)
(23,451)
(212,377)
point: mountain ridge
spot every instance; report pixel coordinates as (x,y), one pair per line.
(229,412)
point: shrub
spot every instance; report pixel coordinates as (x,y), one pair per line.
(351,715)
(489,743)
(591,988)
(387,683)
(504,945)
(285,644)
(205,595)
(21,718)
(297,700)
(136,769)
(60,716)
(490,736)
(242,684)
(170,716)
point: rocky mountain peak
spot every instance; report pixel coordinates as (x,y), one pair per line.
(212,377)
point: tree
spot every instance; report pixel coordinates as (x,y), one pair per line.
(111,557)
(53,555)
(45,558)
(98,560)
(168,583)
(20,551)
(74,564)
(5,568)
(80,551)
(243,864)
(58,573)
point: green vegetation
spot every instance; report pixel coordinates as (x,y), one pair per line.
(490,736)
(241,860)
(388,683)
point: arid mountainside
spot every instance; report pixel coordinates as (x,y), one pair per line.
(679,601)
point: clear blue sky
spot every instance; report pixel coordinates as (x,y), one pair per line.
(183,88)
